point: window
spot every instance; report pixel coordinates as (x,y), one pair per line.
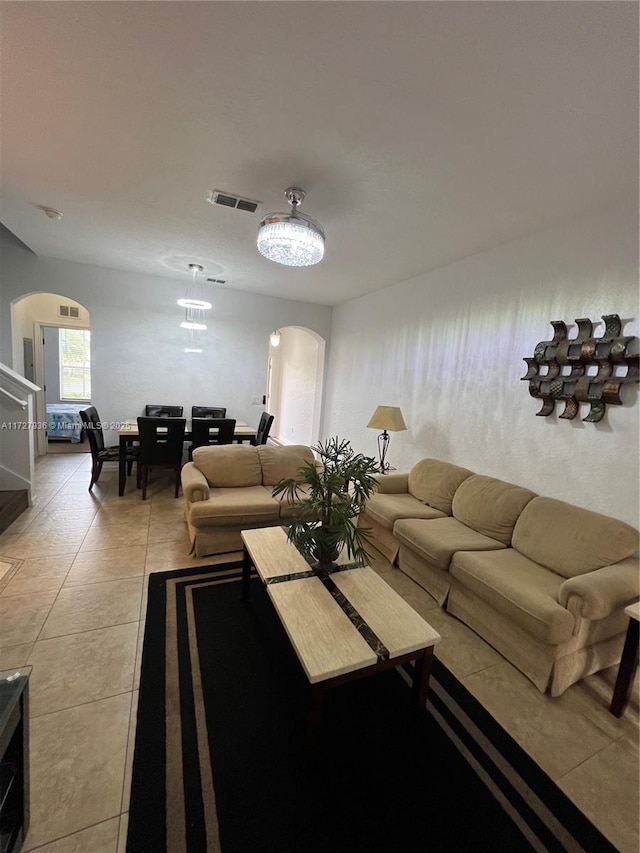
(75,364)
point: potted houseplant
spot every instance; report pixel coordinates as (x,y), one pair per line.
(325,522)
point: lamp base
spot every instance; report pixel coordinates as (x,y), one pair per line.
(383,445)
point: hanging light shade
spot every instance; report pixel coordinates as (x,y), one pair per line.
(292,239)
(274,338)
(193,304)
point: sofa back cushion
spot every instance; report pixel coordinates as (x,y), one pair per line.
(490,506)
(570,540)
(279,463)
(434,482)
(229,465)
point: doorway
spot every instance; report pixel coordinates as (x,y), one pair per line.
(295,376)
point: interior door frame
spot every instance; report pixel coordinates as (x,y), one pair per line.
(38,366)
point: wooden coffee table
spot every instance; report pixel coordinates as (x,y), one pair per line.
(347,626)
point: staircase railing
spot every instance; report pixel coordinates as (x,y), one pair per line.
(17,426)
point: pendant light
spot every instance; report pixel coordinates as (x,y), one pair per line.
(292,239)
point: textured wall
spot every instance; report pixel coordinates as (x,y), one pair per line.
(447,347)
(137,343)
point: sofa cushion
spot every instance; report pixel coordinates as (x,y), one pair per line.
(229,465)
(438,539)
(236,506)
(288,510)
(387,509)
(490,506)
(570,540)
(520,589)
(279,463)
(434,482)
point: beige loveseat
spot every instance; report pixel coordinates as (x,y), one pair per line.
(544,582)
(228,488)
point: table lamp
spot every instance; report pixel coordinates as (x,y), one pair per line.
(386,418)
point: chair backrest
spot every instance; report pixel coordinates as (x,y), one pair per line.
(208,412)
(264,427)
(163,411)
(201,431)
(91,422)
(161,440)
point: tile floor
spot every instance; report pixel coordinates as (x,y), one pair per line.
(72,605)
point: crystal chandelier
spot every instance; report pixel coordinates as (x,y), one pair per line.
(292,239)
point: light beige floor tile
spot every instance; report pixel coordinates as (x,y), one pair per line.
(101,838)
(63,519)
(162,556)
(117,514)
(23,521)
(79,668)
(77,767)
(99,605)
(80,486)
(126,789)
(547,728)
(605,788)
(460,650)
(7,540)
(169,531)
(414,595)
(108,565)
(101,538)
(22,617)
(84,500)
(17,656)
(144,599)
(44,574)
(122,836)
(8,569)
(43,542)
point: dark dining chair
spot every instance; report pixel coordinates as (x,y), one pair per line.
(163,411)
(201,432)
(99,453)
(208,412)
(161,446)
(264,427)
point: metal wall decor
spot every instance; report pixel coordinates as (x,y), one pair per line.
(549,383)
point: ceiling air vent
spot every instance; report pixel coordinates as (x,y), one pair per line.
(230,200)
(217,280)
(68,311)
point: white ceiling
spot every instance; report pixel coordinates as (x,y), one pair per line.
(423,132)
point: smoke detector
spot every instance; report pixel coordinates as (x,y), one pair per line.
(52,213)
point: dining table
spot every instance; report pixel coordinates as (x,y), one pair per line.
(128,434)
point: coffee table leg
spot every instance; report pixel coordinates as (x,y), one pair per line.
(246,573)
(315,715)
(627,670)
(421,675)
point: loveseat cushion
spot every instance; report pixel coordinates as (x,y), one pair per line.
(438,539)
(229,465)
(520,589)
(490,506)
(387,509)
(287,509)
(236,506)
(434,482)
(279,463)
(570,540)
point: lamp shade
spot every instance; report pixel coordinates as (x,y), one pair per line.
(387,417)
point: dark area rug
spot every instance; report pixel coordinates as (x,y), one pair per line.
(222,759)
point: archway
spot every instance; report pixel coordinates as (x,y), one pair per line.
(294,385)
(36,321)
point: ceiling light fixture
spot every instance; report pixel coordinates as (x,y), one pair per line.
(292,239)
(193,305)
(274,338)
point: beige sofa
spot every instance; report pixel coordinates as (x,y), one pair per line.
(544,582)
(228,488)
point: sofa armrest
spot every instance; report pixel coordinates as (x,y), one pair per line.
(194,484)
(597,594)
(392,484)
